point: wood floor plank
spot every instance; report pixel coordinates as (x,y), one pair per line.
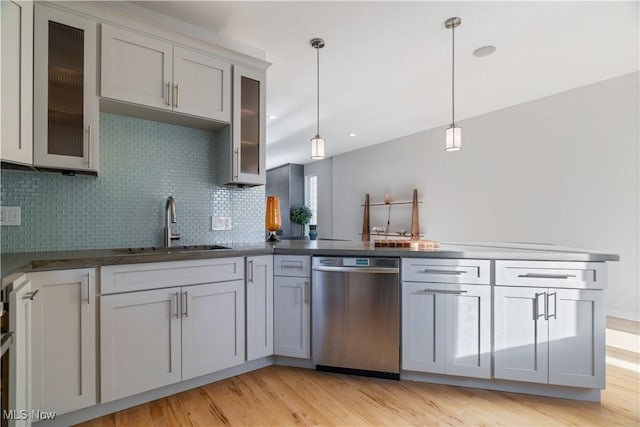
(284,396)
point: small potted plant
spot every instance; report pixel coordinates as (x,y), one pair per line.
(301,215)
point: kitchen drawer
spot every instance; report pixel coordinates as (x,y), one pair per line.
(137,277)
(580,275)
(292,265)
(471,271)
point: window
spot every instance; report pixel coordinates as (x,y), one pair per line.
(311,196)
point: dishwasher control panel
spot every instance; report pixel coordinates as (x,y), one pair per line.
(355,262)
(360,262)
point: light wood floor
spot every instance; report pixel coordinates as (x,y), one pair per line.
(278,396)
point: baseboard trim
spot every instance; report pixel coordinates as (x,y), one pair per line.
(627,315)
(103,409)
(574,393)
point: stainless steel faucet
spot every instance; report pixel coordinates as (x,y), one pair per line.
(170,217)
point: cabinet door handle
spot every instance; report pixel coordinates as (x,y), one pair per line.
(186,303)
(250,268)
(86,282)
(291,265)
(31,295)
(169,93)
(547,316)
(536,306)
(176,100)
(89,146)
(237,162)
(440,291)
(177,295)
(306,292)
(452,272)
(546,276)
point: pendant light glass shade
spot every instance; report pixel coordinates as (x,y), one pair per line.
(317,142)
(317,148)
(453,137)
(453,134)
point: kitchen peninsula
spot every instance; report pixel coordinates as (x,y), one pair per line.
(33,261)
(513,317)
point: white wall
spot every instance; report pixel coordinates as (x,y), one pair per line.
(562,170)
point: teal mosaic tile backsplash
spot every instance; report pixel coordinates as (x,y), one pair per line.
(141,163)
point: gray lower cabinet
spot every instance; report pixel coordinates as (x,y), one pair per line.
(63,347)
(19,398)
(259,290)
(550,335)
(292,306)
(156,337)
(446,327)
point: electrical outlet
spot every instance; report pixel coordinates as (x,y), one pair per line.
(220,223)
(10,215)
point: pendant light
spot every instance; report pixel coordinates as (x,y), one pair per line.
(317,142)
(453,134)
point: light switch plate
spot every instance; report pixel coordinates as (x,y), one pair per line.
(10,215)
(220,223)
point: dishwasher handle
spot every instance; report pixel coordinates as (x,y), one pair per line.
(376,270)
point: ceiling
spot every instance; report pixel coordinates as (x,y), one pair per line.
(386,69)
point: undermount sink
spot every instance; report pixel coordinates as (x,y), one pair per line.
(179,248)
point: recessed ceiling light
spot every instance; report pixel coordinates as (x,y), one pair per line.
(273,117)
(352,134)
(484,51)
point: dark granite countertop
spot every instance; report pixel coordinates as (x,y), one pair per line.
(17,263)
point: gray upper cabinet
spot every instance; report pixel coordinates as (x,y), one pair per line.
(243,145)
(17,82)
(65,102)
(163,76)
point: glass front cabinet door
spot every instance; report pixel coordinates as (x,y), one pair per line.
(249,105)
(65,93)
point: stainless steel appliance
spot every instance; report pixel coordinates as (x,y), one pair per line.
(355,315)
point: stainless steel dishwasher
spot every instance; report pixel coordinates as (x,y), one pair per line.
(355,315)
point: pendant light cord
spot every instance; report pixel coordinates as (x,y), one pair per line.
(318,91)
(453,80)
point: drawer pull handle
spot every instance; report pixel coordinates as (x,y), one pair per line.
(176,100)
(546,276)
(237,163)
(537,305)
(89,147)
(250,268)
(186,303)
(177,295)
(291,267)
(547,316)
(452,272)
(31,295)
(440,291)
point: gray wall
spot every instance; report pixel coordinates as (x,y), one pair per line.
(562,169)
(287,182)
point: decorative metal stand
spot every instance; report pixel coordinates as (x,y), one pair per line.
(365,220)
(415,226)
